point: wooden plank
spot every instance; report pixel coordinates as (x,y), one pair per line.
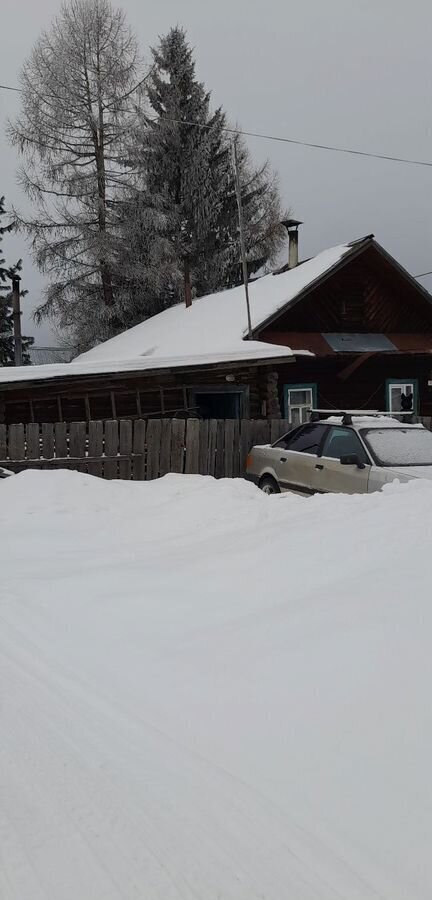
(16,442)
(178,445)
(220,441)
(111,449)
(192,446)
(125,465)
(77,444)
(61,440)
(203,459)
(245,443)
(229,448)
(236,448)
(3,442)
(165,448)
(261,431)
(47,443)
(154,436)
(274,430)
(87,407)
(33,440)
(212,439)
(96,448)
(139,443)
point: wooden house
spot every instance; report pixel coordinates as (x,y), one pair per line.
(348,328)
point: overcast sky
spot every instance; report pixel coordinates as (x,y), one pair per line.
(355,73)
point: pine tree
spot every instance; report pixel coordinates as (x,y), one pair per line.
(187,172)
(6,319)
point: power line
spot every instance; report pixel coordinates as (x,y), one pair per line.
(422,274)
(284,140)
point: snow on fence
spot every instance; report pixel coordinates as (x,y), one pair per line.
(138,449)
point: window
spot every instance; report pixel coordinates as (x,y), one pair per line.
(299,400)
(401,395)
(343,442)
(400,446)
(304,440)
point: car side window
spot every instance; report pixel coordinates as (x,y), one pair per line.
(343,442)
(306,439)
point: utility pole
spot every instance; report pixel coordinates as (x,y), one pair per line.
(17,319)
(242,237)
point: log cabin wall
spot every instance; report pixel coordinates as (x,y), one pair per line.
(129,395)
(365,388)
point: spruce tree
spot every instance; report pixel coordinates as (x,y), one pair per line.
(6,318)
(183,155)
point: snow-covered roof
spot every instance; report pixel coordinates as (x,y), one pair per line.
(217,323)
(251,352)
(213,330)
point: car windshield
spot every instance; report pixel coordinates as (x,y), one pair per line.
(399,446)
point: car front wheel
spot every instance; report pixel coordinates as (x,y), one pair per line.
(269,485)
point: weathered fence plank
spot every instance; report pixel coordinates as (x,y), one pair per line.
(203,457)
(220,449)
(3,442)
(16,443)
(245,443)
(165,447)
(61,440)
(139,436)
(229,448)
(125,465)
(33,441)
(192,443)
(77,444)
(178,446)
(154,437)
(47,446)
(111,449)
(95,448)
(212,438)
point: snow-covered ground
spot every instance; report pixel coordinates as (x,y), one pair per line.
(211,694)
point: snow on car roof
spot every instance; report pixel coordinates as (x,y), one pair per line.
(216,323)
(373,422)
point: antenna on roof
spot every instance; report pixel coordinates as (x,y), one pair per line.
(242,236)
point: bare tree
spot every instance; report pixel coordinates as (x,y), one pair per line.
(78,104)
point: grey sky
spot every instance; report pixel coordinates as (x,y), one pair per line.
(352,72)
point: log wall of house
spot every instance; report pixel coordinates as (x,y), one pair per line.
(365,388)
(126,395)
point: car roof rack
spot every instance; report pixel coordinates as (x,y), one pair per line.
(347,414)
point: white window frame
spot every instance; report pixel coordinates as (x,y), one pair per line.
(402,384)
(304,409)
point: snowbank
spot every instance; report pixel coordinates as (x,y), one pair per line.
(211,693)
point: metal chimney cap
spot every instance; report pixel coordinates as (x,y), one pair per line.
(291,223)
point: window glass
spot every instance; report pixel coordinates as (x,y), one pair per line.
(342,442)
(307,439)
(299,403)
(400,446)
(401,397)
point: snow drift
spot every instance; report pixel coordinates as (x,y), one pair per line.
(211,693)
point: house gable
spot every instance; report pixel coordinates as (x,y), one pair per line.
(368,292)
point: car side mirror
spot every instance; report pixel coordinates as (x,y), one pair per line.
(351,459)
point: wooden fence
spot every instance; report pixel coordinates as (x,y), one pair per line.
(137,449)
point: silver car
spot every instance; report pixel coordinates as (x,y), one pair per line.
(344,453)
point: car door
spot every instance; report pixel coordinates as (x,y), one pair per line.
(298,455)
(333,477)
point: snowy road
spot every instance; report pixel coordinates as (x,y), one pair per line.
(209,694)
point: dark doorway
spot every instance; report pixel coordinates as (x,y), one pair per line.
(218,404)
